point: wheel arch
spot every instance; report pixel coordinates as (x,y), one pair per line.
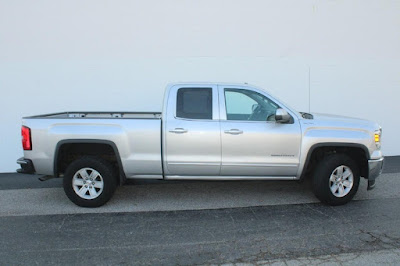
(94,144)
(358,152)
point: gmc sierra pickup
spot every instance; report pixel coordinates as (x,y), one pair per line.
(207,131)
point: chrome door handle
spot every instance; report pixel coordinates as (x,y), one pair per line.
(233,131)
(178,130)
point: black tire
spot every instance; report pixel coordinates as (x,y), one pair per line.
(107,177)
(322,174)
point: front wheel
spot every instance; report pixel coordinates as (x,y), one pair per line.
(336,179)
(89,182)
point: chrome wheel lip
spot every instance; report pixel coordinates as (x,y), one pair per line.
(341,181)
(87,183)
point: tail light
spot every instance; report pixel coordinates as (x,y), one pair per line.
(26,138)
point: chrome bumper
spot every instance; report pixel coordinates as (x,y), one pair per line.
(375,168)
(26,166)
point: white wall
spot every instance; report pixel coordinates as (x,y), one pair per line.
(119,55)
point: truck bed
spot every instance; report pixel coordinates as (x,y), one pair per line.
(136,136)
(93,115)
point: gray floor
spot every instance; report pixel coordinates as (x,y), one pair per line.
(200,223)
(392,164)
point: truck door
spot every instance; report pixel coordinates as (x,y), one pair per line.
(192,132)
(253,144)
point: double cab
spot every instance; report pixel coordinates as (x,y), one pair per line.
(206,131)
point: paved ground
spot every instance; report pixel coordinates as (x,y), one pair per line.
(279,223)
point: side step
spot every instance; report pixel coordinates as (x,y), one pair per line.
(45,177)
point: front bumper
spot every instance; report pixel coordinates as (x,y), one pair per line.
(26,166)
(375,168)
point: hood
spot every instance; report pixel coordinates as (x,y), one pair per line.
(344,120)
(330,117)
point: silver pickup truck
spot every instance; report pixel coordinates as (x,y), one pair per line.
(207,131)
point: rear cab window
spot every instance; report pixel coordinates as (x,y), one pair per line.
(194,103)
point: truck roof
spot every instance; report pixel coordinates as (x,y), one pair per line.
(210,83)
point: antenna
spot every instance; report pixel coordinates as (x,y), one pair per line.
(309,89)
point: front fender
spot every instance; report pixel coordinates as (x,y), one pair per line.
(314,138)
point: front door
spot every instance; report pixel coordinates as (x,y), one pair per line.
(253,144)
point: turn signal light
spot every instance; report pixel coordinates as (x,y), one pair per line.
(26,138)
(378,137)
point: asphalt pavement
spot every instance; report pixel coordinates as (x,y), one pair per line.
(197,223)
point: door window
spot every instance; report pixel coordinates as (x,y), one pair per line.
(248,105)
(194,103)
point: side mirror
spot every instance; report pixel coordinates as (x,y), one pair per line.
(282,116)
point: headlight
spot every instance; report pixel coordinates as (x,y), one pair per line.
(378,135)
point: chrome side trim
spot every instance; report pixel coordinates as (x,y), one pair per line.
(190,163)
(237,164)
(261,164)
(145,177)
(226,178)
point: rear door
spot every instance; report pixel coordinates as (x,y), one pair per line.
(192,131)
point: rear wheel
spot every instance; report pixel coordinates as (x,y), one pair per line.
(89,182)
(336,179)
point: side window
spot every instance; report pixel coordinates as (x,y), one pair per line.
(248,105)
(194,103)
